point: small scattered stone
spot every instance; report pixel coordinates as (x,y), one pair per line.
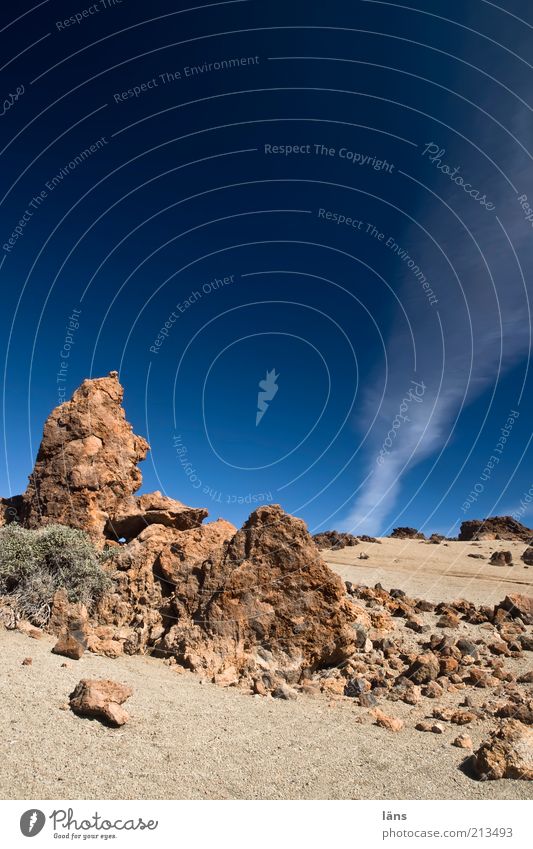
(449,620)
(367,700)
(71,644)
(355,687)
(432,690)
(283,691)
(424,668)
(386,721)
(427,725)
(463,741)
(467,647)
(462,717)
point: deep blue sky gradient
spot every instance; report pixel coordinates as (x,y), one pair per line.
(182,194)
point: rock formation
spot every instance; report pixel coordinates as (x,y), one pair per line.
(235,605)
(86,468)
(496,527)
(258,606)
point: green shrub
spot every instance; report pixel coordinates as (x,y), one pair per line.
(34,564)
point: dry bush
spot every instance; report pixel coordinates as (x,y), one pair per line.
(34,564)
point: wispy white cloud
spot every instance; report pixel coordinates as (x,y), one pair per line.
(483,314)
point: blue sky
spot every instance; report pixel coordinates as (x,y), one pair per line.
(336,192)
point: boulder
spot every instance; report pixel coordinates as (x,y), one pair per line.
(101,699)
(463,741)
(527,556)
(496,527)
(86,467)
(508,753)
(152,509)
(501,558)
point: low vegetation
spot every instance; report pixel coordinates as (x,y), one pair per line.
(34,564)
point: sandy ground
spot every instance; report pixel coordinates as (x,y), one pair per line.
(435,572)
(188,740)
(191,740)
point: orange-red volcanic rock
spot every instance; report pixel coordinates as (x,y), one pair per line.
(86,467)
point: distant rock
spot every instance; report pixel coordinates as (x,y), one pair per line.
(334,540)
(406,533)
(436,539)
(101,699)
(496,527)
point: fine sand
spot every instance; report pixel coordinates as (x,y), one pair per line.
(187,739)
(441,572)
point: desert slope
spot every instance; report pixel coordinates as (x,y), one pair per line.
(435,572)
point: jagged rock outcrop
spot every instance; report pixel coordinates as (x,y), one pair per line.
(406,533)
(86,468)
(334,540)
(496,527)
